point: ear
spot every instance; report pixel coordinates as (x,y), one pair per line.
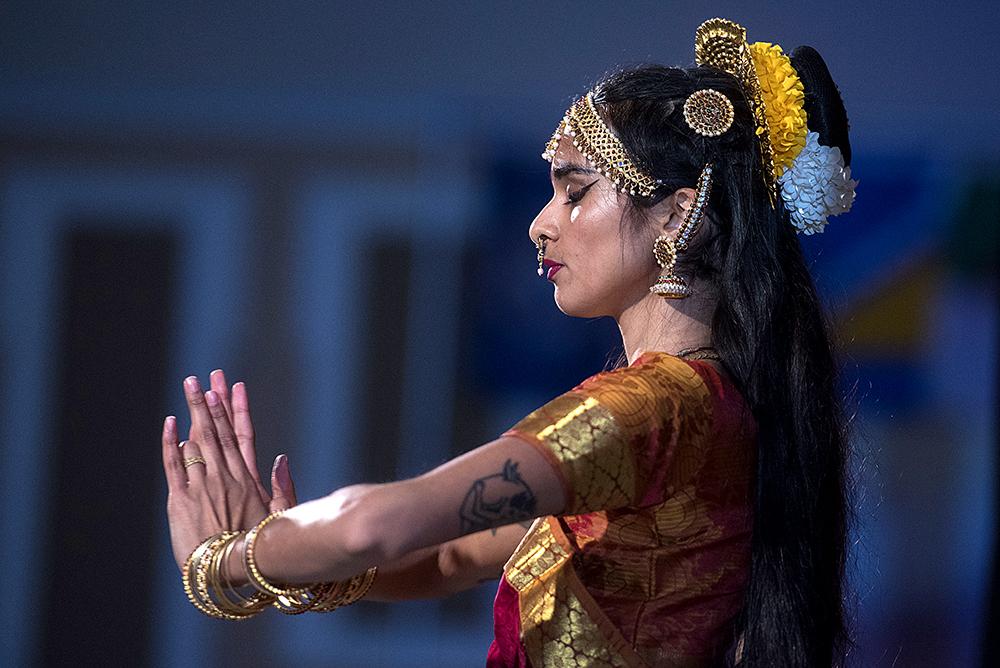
(670,212)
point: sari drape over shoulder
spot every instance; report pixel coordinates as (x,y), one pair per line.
(648,566)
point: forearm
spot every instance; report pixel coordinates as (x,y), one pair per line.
(343,534)
(416,575)
(317,541)
(449,568)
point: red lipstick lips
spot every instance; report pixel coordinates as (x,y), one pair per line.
(551,268)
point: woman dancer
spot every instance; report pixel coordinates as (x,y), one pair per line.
(687,508)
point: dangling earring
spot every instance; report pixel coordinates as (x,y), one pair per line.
(540,245)
(669,285)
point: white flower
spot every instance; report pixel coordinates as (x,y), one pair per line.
(817,186)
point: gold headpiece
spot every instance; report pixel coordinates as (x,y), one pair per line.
(594,139)
(773,90)
(708,112)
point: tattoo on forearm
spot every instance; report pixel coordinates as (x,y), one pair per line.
(501,498)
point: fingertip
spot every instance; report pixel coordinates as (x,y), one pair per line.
(192,384)
(212,398)
(170,427)
(240,394)
(219,382)
(281,470)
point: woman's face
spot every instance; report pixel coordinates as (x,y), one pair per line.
(601,274)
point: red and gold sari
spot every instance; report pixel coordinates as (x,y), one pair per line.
(650,567)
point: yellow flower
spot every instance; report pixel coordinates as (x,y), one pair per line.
(784,99)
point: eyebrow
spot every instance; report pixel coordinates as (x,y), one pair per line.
(571,168)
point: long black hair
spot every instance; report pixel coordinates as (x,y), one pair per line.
(774,338)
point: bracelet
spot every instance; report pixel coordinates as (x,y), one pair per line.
(206,575)
(319,597)
(296,604)
(201,577)
(196,576)
(187,575)
(254,576)
(213,594)
(243,607)
(349,592)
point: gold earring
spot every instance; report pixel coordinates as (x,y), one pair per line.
(540,245)
(669,285)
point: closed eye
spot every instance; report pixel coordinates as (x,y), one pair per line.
(574,197)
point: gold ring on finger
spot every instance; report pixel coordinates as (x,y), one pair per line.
(191,461)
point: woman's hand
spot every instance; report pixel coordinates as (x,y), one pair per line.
(220,488)
(238,411)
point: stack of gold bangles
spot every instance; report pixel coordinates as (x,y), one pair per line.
(213,594)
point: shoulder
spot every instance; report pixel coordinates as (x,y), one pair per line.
(658,391)
(655,387)
(611,433)
(654,375)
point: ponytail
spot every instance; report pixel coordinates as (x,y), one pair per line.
(774,339)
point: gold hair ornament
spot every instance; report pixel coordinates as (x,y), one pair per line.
(773,90)
(708,112)
(592,137)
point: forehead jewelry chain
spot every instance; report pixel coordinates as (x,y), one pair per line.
(540,245)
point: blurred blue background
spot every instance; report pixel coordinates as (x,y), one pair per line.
(331,202)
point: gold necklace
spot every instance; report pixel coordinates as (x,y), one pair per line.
(699,353)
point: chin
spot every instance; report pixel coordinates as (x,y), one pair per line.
(573,308)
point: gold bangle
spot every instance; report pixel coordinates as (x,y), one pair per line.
(319,597)
(213,582)
(254,576)
(256,598)
(348,592)
(195,575)
(332,597)
(244,607)
(201,577)
(187,575)
(327,596)
(205,577)
(296,604)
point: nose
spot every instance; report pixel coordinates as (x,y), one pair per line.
(544,224)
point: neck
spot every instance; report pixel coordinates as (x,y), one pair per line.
(668,325)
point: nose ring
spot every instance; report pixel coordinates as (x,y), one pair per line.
(540,245)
